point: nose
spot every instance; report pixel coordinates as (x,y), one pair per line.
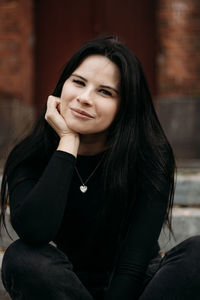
(85,98)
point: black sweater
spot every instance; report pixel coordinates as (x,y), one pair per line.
(49,206)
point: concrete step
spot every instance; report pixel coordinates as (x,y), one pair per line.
(186,217)
(5,240)
(187,190)
(3,294)
(185,223)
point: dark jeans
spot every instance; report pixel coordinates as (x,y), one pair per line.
(45,273)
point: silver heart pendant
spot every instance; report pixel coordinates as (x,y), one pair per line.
(83,188)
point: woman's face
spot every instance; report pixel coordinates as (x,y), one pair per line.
(90,96)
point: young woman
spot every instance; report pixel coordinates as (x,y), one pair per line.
(96,177)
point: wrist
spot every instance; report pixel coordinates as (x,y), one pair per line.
(69,143)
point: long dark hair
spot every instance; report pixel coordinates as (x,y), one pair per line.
(139,149)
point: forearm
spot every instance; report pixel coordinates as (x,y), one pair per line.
(37,210)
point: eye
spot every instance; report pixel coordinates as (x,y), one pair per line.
(79,82)
(105,92)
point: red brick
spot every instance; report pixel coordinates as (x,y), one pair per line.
(16,49)
(179,48)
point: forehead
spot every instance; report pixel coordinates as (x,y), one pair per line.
(99,67)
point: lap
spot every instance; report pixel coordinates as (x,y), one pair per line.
(176,275)
(179,266)
(25,269)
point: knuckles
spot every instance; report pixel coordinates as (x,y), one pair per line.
(52,103)
(52,99)
(49,116)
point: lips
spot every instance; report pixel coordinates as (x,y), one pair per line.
(82,112)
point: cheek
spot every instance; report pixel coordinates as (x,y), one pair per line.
(109,114)
(65,99)
(68,95)
(63,106)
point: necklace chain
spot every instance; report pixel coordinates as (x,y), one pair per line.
(83,186)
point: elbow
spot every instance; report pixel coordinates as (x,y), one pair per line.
(33,235)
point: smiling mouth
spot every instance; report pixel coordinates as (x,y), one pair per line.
(81,113)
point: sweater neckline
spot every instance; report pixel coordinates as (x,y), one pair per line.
(94,156)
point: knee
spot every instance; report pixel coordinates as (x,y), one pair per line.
(38,264)
(193,243)
(13,257)
(191,250)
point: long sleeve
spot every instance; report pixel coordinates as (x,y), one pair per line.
(37,204)
(138,247)
(38,212)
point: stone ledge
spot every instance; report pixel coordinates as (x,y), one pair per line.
(185,223)
(179,117)
(187,190)
(3,294)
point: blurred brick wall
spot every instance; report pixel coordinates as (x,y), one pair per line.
(16,48)
(179,48)
(178,75)
(178,72)
(16,70)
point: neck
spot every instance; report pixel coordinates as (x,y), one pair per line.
(92,144)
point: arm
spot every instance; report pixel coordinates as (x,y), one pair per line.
(37,204)
(144,230)
(69,140)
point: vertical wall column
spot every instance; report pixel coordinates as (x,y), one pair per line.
(16,76)
(178,74)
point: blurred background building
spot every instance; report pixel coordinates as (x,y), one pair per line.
(37,37)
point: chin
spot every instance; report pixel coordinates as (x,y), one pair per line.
(85,132)
(79,129)
(85,129)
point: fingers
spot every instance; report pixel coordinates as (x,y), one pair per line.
(53,116)
(53,104)
(53,101)
(55,119)
(53,109)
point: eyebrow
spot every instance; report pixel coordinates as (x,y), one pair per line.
(79,76)
(103,86)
